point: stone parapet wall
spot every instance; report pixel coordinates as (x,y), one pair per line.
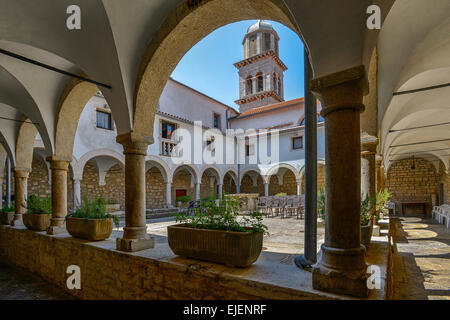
(110,274)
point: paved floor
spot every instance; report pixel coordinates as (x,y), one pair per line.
(17,284)
(422,265)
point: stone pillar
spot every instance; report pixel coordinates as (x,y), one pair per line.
(1,193)
(76,193)
(368,178)
(259,43)
(8,182)
(220,187)
(169,194)
(135,237)
(266,189)
(20,194)
(197,191)
(299,187)
(378,174)
(59,168)
(342,268)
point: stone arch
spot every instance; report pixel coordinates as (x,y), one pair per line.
(193,170)
(161,165)
(233,173)
(182,29)
(216,171)
(72,103)
(79,165)
(25,144)
(274,169)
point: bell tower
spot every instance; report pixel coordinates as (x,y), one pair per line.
(261,72)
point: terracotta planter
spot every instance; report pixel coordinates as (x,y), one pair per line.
(112,207)
(6,218)
(235,249)
(366,235)
(36,222)
(89,229)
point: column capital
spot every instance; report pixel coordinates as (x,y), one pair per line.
(368,143)
(134,143)
(57,163)
(21,172)
(341,90)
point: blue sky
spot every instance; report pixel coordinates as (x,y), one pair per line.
(208,66)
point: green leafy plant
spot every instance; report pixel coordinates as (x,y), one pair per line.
(95,209)
(383,196)
(321,204)
(8,209)
(281,194)
(222,217)
(38,205)
(367,210)
(184,199)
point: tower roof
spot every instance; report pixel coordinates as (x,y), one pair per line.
(260,24)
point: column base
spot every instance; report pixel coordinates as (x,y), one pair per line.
(17,223)
(54,230)
(341,271)
(133,245)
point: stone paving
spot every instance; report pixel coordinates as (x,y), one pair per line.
(422,265)
(17,284)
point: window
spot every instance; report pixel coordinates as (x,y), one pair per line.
(249,86)
(216,120)
(297,143)
(104,120)
(249,150)
(167,129)
(266,42)
(253,46)
(260,83)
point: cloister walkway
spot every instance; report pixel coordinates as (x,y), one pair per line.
(422,263)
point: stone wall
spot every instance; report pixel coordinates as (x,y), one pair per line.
(155,189)
(320,178)
(113,189)
(38,183)
(110,274)
(444,178)
(289,185)
(248,187)
(409,185)
(182,181)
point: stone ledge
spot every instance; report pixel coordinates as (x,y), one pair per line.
(152,274)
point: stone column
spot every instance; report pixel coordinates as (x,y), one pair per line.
(59,168)
(342,268)
(368,176)
(197,191)
(169,194)
(135,237)
(266,189)
(76,193)
(220,187)
(8,182)
(299,187)
(20,194)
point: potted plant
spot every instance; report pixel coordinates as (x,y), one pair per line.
(366,217)
(215,234)
(90,221)
(7,215)
(183,200)
(281,194)
(112,205)
(38,215)
(321,208)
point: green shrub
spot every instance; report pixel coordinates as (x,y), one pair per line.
(367,210)
(95,209)
(184,199)
(8,209)
(321,204)
(223,217)
(281,194)
(38,205)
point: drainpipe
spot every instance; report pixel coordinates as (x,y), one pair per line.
(310,248)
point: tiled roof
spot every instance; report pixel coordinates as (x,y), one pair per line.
(295,103)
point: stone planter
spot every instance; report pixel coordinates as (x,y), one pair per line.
(6,218)
(366,235)
(89,229)
(112,207)
(36,222)
(234,249)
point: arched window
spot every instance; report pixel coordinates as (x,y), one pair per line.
(260,80)
(249,86)
(275,83)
